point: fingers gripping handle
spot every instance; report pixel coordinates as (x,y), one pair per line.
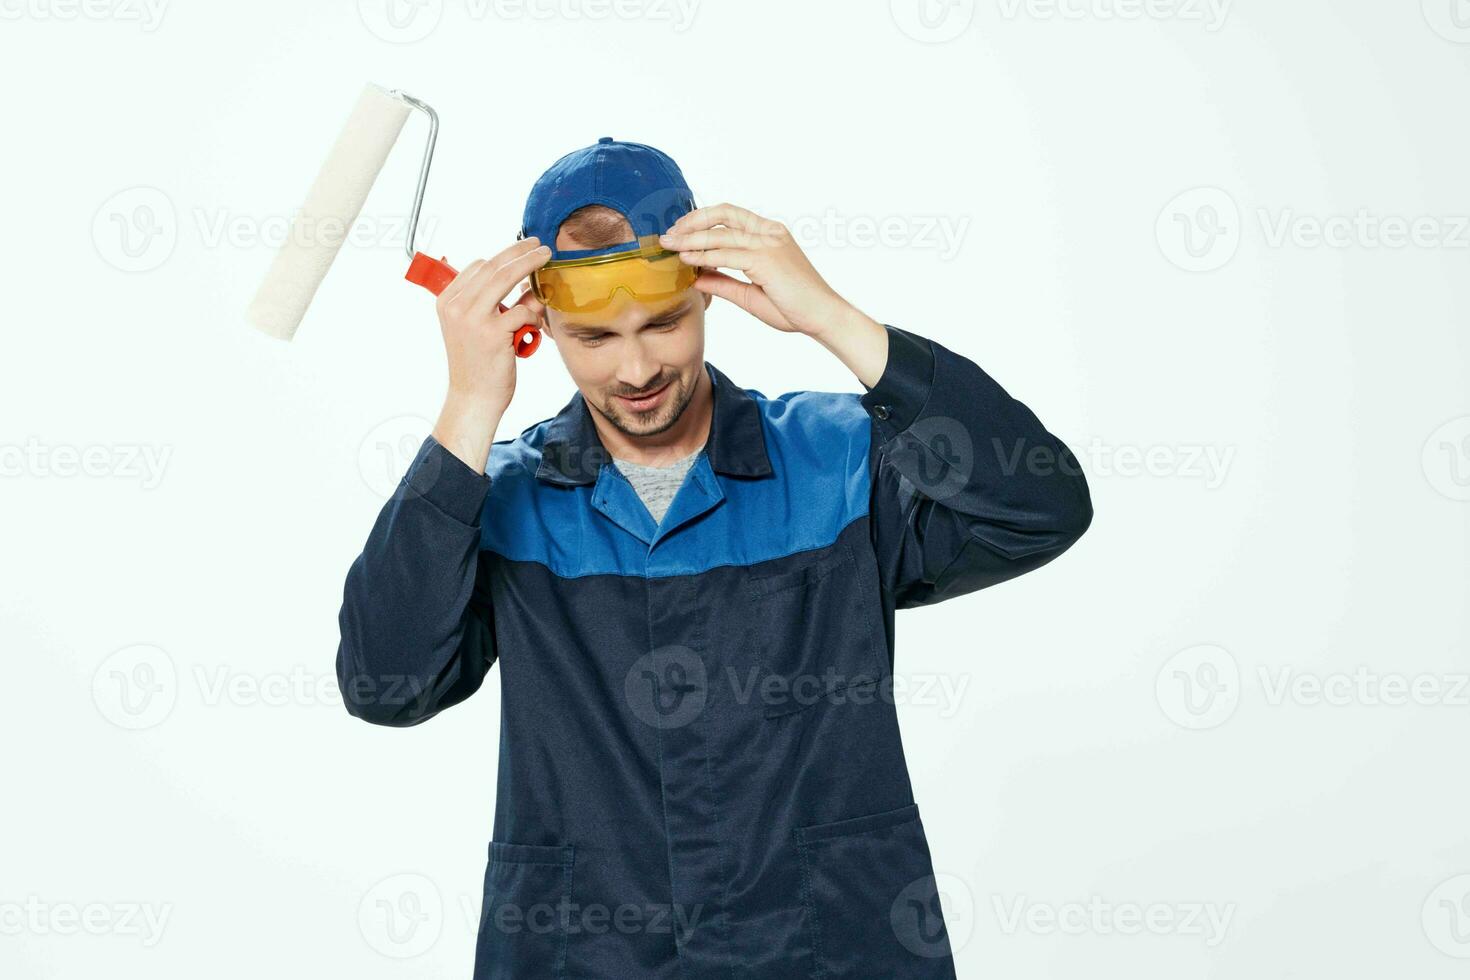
(435,274)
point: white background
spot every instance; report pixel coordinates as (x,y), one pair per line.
(1240,698)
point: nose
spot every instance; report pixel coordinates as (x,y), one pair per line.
(638,372)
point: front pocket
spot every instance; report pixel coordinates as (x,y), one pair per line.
(765,582)
(871,902)
(523,927)
(810,631)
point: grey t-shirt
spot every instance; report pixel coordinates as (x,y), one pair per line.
(656,485)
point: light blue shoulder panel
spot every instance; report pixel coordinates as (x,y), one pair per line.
(817,443)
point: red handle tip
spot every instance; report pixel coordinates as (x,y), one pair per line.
(432,274)
(528,338)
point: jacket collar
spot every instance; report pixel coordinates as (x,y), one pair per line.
(572,453)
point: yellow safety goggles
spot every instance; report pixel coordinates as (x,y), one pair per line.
(649,274)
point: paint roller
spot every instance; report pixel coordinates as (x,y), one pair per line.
(332,206)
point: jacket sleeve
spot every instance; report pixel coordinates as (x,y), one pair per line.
(968,487)
(416,624)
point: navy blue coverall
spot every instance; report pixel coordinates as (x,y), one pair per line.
(700,772)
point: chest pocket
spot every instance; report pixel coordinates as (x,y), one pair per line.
(813,629)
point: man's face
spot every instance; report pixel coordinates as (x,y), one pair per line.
(637,364)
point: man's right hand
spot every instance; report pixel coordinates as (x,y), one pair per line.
(480,343)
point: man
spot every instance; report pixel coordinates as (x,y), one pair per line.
(700,770)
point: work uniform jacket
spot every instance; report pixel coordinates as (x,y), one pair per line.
(700,772)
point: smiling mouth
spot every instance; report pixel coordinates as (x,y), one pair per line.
(646,399)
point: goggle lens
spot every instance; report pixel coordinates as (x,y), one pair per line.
(647,275)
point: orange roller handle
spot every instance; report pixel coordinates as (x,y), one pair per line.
(435,274)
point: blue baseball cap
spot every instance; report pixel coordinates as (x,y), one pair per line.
(644,184)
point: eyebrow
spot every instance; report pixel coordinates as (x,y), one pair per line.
(668,315)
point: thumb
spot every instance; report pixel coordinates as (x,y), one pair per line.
(727,288)
(746,295)
(529,301)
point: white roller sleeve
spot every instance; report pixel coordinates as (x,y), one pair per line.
(332,206)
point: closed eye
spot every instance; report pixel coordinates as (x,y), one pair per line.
(592,340)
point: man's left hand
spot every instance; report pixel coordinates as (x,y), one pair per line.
(784,290)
